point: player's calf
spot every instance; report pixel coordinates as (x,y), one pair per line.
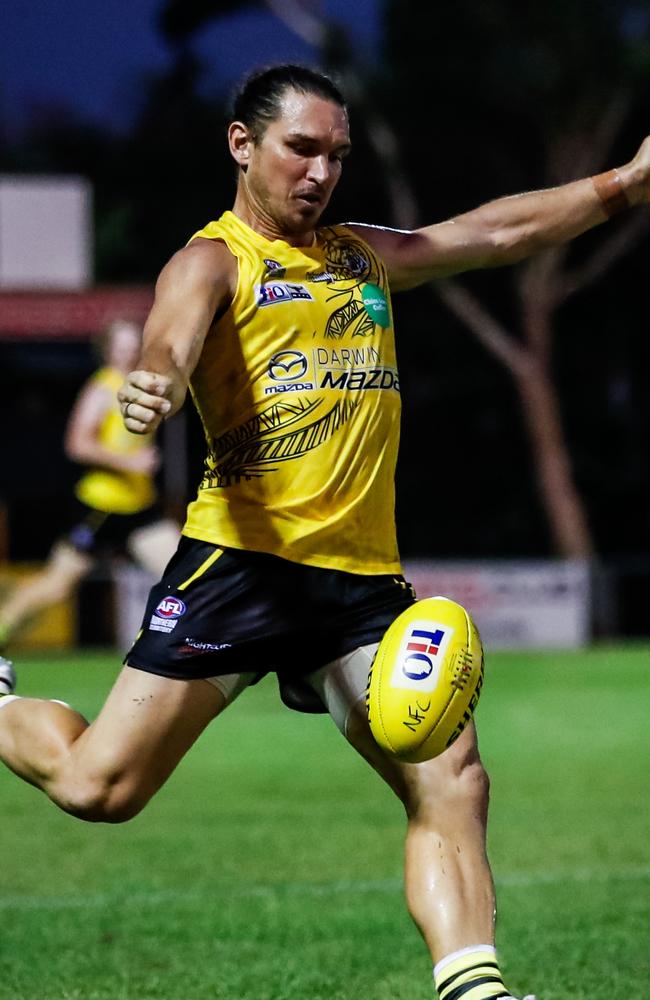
(97,799)
(36,735)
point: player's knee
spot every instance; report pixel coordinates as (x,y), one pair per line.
(101,801)
(452,788)
(473,785)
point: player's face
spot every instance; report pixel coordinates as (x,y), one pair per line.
(295,166)
(124,347)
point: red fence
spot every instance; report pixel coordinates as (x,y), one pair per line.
(39,315)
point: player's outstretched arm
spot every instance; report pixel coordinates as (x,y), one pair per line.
(509,229)
(192,289)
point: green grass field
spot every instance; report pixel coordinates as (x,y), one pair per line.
(269,867)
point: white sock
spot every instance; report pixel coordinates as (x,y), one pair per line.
(6,698)
(448,959)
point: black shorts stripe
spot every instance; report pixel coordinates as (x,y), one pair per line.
(203,568)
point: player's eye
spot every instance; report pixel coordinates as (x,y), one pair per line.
(300,149)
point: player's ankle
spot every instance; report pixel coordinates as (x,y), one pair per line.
(474,969)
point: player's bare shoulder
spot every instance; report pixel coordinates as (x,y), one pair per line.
(204,264)
(390,244)
(212,255)
(415,256)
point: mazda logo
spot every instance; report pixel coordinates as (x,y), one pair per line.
(287,366)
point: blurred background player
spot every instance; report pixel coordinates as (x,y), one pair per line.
(115,507)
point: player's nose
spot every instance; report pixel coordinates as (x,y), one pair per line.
(319,169)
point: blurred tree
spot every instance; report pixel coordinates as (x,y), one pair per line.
(584,67)
(180,20)
(173,170)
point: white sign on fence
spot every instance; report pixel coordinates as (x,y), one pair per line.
(516,605)
(45,232)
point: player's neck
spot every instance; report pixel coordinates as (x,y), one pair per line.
(261,222)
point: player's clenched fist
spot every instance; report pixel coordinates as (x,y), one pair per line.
(145,401)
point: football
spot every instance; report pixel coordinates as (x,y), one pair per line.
(425,680)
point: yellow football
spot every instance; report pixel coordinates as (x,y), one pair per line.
(425,680)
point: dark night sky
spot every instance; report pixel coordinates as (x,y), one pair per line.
(90,56)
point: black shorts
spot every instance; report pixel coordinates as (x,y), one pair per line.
(223,611)
(96,532)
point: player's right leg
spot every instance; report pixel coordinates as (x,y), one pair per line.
(448,882)
(108,770)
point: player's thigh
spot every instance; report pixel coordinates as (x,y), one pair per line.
(342,687)
(146,725)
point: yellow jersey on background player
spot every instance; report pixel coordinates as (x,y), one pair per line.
(301,414)
(116,491)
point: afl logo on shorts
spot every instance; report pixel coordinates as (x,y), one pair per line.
(421,649)
(170,607)
(286,366)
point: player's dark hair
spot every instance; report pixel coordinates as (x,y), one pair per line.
(259,100)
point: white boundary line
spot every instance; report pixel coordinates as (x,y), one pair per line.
(222,890)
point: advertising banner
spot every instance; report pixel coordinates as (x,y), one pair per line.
(516,605)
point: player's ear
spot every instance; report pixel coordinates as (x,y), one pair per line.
(240,141)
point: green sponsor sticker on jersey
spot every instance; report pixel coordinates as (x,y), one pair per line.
(376,305)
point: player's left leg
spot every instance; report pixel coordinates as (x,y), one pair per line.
(153,545)
(107,770)
(449,887)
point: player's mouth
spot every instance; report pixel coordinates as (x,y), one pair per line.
(313,198)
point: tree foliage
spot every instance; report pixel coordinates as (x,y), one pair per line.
(524,98)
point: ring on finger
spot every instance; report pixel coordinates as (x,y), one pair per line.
(126,409)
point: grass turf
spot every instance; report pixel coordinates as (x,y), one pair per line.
(269,867)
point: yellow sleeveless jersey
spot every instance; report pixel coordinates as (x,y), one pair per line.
(107,489)
(298,392)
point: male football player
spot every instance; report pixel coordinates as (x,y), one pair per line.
(283,331)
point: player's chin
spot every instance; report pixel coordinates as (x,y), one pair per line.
(308,212)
